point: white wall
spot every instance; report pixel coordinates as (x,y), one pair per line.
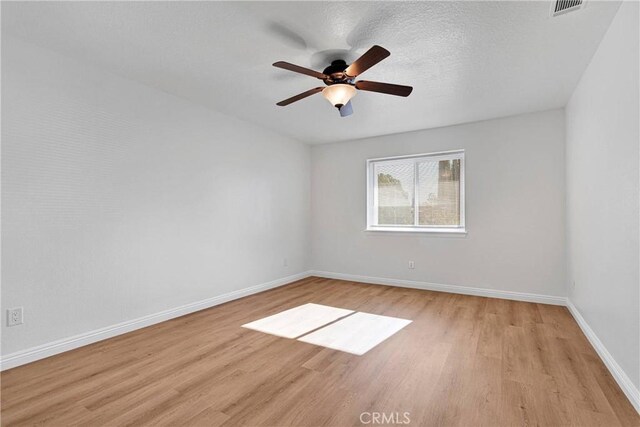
(514,208)
(602,193)
(119,201)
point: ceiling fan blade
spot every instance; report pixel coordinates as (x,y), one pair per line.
(366,61)
(346,110)
(387,88)
(299,69)
(300,96)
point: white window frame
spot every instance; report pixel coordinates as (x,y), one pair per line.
(372,193)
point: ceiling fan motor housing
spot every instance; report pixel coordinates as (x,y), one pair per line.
(335,73)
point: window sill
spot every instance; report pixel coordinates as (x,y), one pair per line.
(442,230)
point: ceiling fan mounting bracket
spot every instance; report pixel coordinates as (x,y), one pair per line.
(337,66)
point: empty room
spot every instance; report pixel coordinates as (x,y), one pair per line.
(320,213)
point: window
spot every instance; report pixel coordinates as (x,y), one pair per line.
(416,193)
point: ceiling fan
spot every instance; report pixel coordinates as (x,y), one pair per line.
(339,79)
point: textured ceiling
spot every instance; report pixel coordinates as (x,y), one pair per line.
(467,61)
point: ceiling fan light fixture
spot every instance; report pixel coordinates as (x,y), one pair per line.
(339,94)
(340,80)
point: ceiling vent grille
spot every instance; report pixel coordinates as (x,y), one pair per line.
(559,7)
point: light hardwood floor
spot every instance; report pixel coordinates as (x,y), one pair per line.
(464,361)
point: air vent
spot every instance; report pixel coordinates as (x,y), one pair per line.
(559,7)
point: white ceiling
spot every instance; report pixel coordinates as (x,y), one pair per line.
(467,61)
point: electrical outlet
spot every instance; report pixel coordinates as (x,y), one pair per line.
(285,262)
(14,316)
(412,265)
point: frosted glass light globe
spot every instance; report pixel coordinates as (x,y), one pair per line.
(339,94)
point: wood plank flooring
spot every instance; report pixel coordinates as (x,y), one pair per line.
(464,361)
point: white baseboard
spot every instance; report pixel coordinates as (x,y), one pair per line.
(632,393)
(629,389)
(455,289)
(40,352)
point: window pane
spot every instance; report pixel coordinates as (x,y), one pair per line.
(439,193)
(395,193)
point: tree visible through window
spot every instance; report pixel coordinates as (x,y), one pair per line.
(432,184)
(395,194)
